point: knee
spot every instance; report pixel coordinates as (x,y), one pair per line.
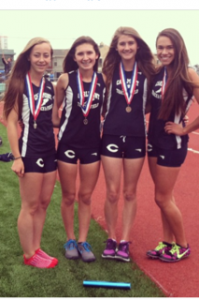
(84,198)
(30,208)
(129,196)
(112,197)
(162,199)
(44,203)
(68,198)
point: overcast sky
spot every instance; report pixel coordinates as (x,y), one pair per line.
(62,27)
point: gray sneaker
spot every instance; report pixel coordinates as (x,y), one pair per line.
(71,251)
(85,252)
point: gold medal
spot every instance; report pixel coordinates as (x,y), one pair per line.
(128,109)
(85,121)
(35,125)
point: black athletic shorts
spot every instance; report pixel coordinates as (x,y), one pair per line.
(123,146)
(167,158)
(40,164)
(71,155)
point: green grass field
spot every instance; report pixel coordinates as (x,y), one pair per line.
(65,280)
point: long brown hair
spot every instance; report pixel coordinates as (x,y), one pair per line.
(179,79)
(144,56)
(69,64)
(15,87)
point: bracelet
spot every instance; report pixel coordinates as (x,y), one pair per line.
(17,157)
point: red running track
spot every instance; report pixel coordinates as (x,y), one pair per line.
(179,279)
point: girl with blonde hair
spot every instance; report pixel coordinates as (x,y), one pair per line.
(128,68)
(29,99)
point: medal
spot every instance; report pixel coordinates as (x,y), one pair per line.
(128,109)
(128,92)
(35,125)
(85,121)
(35,109)
(164,83)
(86,106)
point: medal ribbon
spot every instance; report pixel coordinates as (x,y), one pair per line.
(35,109)
(86,109)
(164,83)
(128,92)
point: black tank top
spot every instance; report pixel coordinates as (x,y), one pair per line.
(156,133)
(117,120)
(72,131)
(39,141)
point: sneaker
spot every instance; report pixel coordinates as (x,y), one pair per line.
(46,256)
(123,251)
(110,249)
(39,262)
(85,252)
(176,253)
(160,249)
(71,251)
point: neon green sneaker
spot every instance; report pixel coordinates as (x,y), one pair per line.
(159,250)
(176,253)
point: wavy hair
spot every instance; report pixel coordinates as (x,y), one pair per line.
(179,78)
(144,56)
(15,87)
(69,64)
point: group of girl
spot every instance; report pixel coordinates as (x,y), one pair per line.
(128,87)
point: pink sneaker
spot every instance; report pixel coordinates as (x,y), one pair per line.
(159,250)
(38,262)
(46,256)
(176,253)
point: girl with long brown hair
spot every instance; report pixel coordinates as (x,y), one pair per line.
(128,68)
(29,99)
(81,90)
(172,93)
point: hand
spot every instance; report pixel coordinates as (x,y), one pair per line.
(186,119)
(18,167)
(171,127)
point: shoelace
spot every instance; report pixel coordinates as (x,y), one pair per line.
(174,249)
(86,246)
(160,246)
(109,244)
(70,244)
(124,246)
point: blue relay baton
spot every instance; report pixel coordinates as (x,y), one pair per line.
(107,284)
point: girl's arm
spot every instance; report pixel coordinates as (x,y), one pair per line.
(61,86)
(12,132)
(171,127)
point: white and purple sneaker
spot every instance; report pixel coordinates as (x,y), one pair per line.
(110,249)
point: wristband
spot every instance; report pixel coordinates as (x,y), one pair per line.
(17,157)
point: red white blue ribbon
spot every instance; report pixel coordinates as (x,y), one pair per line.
(85,107)
(164,82)
(128,92)
(34,107)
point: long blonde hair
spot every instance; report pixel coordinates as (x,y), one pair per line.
(144,56)
(15,86)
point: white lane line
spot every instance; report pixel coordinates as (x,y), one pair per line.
(194,132)
(192,150)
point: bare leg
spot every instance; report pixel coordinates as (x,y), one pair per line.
(48,184)
(164,184)
(68,173)
(132,170)
(112,170)
(30,189)
(88,178)
(167,231)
